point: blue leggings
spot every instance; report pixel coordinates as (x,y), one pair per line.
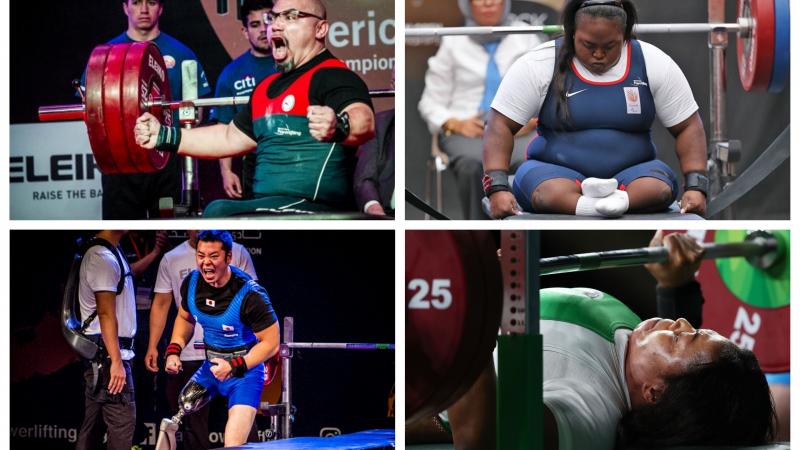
(240,391)
(532,173)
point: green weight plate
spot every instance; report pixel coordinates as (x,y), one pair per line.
(757,287)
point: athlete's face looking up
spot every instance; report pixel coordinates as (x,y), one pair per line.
(598,43)
(659,348)
(296,36)
(212,262)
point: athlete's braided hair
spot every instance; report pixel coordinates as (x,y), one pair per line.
(621,11)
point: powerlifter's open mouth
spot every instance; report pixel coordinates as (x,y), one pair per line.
(279,48)
(209,274)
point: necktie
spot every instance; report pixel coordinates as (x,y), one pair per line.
(492,81)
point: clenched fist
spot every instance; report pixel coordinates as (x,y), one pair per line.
(146,130)
(321,122)
(221,369)
(173,365)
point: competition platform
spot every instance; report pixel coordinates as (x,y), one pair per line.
(370,439)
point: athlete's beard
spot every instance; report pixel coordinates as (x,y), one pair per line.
(285,66)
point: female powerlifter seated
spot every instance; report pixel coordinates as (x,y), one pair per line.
(596,92)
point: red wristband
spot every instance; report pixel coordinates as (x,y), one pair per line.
(173,349)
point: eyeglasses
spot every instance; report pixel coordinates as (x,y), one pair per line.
(486,2)
(288,16)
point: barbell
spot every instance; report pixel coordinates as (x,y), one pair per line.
(286,353)
(762,41)
(455,298)
(762,249)
(123,81)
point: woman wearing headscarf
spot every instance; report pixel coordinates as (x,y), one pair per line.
(460,84)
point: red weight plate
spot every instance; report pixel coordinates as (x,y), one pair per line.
(95,119)
(763,330)
(453,306)
(756,52)
(274,384)
(144,77)
(112,107)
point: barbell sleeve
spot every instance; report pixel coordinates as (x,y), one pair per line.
(57,113)
(758,246)
(644,28)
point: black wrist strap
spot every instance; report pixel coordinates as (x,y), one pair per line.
(495,181)
(696,181)
(238,366)
(169,139)
(342,127)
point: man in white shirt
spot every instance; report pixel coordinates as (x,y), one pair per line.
(106,294)
(175,265)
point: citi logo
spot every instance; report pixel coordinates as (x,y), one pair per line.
(246,83)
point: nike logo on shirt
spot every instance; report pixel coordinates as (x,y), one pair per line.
(570,94)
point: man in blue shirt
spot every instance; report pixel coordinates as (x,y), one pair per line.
(136,196)
(240,77)
(240,332)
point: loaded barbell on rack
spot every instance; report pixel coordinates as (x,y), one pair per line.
(458,298)
(762,28)
(123,81)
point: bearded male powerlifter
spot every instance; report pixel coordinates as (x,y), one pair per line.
(303,123)
(240,333)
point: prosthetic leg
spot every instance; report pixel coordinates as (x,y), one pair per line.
(193,397)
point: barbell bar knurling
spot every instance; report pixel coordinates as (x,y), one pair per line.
(759,246)
(643,28)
